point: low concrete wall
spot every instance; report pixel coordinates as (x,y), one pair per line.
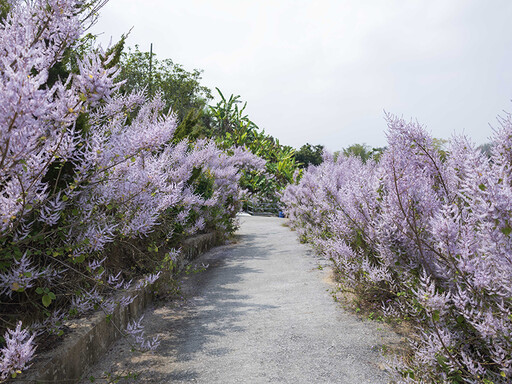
(195,246)
(91,337)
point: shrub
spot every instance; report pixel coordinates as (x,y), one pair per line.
(83,167)
(428,235)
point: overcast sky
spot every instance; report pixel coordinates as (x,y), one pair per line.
(323,71)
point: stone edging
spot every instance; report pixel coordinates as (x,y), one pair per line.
(90,338)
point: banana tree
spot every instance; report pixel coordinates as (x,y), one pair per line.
(234,128)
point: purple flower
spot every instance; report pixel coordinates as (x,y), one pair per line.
(17,352)
(136,330)
(432,230)
(21,276)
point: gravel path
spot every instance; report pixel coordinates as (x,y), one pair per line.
(261,313)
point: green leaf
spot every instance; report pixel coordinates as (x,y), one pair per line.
(46,300)
(79,259)
(506,231)
(52,295)
(39,290)
(482,187)
(435,315)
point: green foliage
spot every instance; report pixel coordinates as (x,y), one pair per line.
(5,7)
(232,127)
(363,151)
(181,90)
(227,117)
(309,155)
(190,127)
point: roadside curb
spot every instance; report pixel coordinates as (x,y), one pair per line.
(91,337)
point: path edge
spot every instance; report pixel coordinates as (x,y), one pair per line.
(91,337)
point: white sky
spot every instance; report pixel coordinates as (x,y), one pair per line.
(323,71)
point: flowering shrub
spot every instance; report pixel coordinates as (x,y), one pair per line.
(426,234)
(83,168)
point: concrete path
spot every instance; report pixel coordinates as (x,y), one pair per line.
(261,313)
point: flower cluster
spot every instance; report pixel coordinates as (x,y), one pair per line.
(426,233)
(136,330)
(17,352)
